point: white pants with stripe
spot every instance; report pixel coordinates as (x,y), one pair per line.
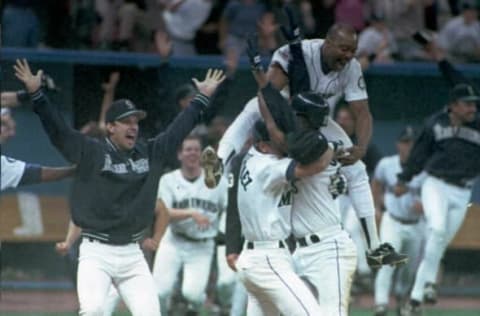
(272,285)
(329,265)
(101,265)
(445,206)
(406,238)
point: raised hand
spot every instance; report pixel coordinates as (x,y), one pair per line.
(211,82)
(112,82)
(292,33)
(24,74)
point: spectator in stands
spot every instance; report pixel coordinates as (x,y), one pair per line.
(133,31)
(403,18)
(183,18)
(239,19)
(376,43)
(107,11)
(460,37)
(350,12)
(20,24)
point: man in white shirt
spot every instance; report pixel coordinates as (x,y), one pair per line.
(265,265)
(402,222)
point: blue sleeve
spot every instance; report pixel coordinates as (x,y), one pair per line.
(31,175)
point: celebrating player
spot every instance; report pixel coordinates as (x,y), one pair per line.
(402,222)
(114,191)
(447,149)
(194,217)
(265,265)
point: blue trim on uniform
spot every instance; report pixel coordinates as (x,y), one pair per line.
(338,280)
(291,171)
(286,284)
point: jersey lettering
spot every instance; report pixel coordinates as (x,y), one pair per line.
(196,203)
(286,199)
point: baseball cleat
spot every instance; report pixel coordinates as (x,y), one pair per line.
(410,310)
(385,254)
(212,166)
(380,310)
(430,293)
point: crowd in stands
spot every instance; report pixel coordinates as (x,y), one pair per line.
(220,27)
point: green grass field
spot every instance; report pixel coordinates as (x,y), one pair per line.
(353,313)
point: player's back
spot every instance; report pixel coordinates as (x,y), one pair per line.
(264,197)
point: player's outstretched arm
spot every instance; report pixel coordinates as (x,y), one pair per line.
(275,133)
(168,141)
(68,141)
(54,174)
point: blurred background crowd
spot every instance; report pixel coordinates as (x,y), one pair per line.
(220,27)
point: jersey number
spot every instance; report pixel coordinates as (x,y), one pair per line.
(245,178)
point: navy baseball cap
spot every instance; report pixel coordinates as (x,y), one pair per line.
(121,109)
(407,134)
(464,92)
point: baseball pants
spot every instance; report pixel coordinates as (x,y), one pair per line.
(351,223)
(194,256)
(100,265)
(445,207)
(330,266)
(407,238)
(273,286)
(358,183)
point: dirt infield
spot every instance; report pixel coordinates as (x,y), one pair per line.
(66,301)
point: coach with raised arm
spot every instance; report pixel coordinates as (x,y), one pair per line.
(114,191)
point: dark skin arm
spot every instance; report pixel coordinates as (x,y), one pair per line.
(363,131)
(53,174)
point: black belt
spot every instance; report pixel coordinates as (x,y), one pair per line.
(186,237)
(251,244)
(303,240)
(107,242)
(404,221)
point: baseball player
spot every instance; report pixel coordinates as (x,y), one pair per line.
(265,265)
(18,173)
(402,223)
(447,149)
(194,221)
(114,191)
(332,72)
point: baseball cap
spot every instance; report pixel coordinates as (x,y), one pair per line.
(407,134)
(464,92)
(121,109)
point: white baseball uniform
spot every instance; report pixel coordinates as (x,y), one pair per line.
(12,172)
(401,226)
(265,265)
(325,254)
(185,244)
(348,82)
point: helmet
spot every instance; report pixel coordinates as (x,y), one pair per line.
(313,107)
